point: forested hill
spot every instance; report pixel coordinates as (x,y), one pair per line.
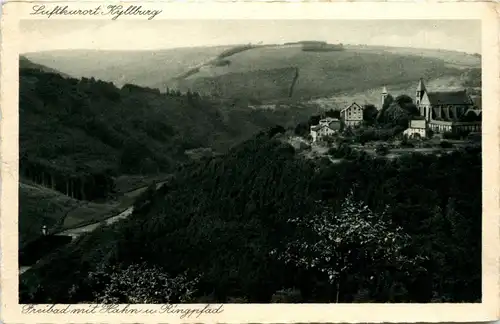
(25,63)
(76,134)
(261,221)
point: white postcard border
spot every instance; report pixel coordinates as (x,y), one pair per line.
(268,313)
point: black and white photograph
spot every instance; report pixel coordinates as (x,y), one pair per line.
(250,162)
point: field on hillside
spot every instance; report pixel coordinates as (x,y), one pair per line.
(145,68)
(452,58)
(262,72)
(373,96)
(253,73)
(40,206)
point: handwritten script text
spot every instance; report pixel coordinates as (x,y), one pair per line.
(182,311)
(114,11)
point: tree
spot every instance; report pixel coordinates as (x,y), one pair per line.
(314,120)
(370,114)
(354,241)
(396,115)
(278,129)
(332,113)
(139,284)
(406,102)
(302,129)
(381,114)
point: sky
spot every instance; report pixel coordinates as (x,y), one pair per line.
(43,35)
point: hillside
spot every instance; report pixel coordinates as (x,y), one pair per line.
(320,73)
(41,206)
(141,67)
(250,224)
(373,96)
(25,63)
(262,72)
(77,134)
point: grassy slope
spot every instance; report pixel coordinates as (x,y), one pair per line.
(321,73)
(453,58)
(38,206)
(373,96)
(145,68)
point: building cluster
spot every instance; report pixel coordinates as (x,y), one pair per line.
(439,112)
(445,111)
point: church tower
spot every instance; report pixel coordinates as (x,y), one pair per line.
(384,95)
(420,92)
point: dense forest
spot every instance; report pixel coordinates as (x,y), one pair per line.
(261,223)
(76,135)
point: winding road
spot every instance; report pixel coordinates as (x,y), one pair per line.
(78,231)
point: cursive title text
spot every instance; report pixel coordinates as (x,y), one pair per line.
(113,11)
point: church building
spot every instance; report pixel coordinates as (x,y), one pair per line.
(445,111)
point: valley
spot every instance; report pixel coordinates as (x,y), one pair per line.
(200,164)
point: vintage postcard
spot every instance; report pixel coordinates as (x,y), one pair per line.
(249,162)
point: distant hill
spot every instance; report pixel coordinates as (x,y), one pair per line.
(141,67)
(25,63)
(240,71)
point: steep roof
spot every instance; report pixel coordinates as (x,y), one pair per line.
(334,121)
(351,105)
(449,98)
(421,85)
(477,100)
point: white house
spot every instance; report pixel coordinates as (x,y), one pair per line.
(327,126)
(417,128)
(352,115)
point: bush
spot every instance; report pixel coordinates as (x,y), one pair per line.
(451,135)
(329,139)
(139,284)
(427,145)
(405,143)
(445,144)
(343,151)
(287,296)
(381,149)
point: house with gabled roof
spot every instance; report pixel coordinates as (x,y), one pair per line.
(326,127)
(352,115)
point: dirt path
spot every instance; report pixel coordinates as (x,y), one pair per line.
(77,231)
